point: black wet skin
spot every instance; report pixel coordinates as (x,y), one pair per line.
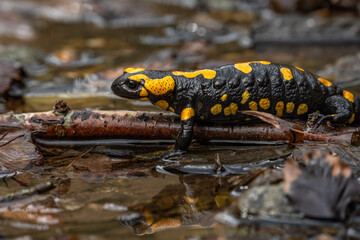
(265,81)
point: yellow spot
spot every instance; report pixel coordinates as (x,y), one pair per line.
(348,95)
(290,107)
(317,111)
(244,67)
(352,119)
(279,108)
(262,62)
(191,200)
(166,223)
(303,108)
(162,104)
(245,97)
(253,106)
(155,86)
(264,103)
(187,113)
(227,111)
(202,117)
(247,119)
(286,73)
(233,108)
(139,77)
(325,82)
(134,70)
(148,217)
(160,86)
(143,92)
(224,97)
(300,68)
(171,109)
(222,200)
(143,99)
(207,73)
(216,109)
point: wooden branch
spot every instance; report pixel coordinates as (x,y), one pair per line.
(86,124)
(38,189)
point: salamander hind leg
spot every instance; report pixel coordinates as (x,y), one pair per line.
(337,110)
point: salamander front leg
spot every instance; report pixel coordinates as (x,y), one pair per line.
(185,135)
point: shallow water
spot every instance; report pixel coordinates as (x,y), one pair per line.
(120,189)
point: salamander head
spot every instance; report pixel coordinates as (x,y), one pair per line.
(141,84)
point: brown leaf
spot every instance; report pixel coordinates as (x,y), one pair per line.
(324,189)
(16,149)
(16,152)
(294,131)
(93,163)
(291,172)
(333,160)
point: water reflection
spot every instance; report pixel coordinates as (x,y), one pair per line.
(193,202)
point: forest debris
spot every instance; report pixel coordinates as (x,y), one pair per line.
(69,58)
(77,158)
(24,216)
(292,130)
(296,5)
(265,201)
(324,189)
(61,107)
(10,75)
(309,30)
(311,5)
(16,152)
(218,164)
(38,189)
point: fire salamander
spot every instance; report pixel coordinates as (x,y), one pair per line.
(217,95)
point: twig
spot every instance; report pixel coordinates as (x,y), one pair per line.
(38,189)
(218,164)
(4,135)
(11,140)
(72,163)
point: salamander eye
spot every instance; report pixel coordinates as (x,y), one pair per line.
(132,84)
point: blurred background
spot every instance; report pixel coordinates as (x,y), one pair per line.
(74,49)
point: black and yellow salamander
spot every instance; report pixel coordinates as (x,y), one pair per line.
(217,95)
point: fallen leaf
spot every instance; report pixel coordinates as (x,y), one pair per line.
(324,189)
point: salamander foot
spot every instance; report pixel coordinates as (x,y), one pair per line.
(316,119)
(173,155)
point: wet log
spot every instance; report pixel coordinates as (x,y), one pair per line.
(92,124)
